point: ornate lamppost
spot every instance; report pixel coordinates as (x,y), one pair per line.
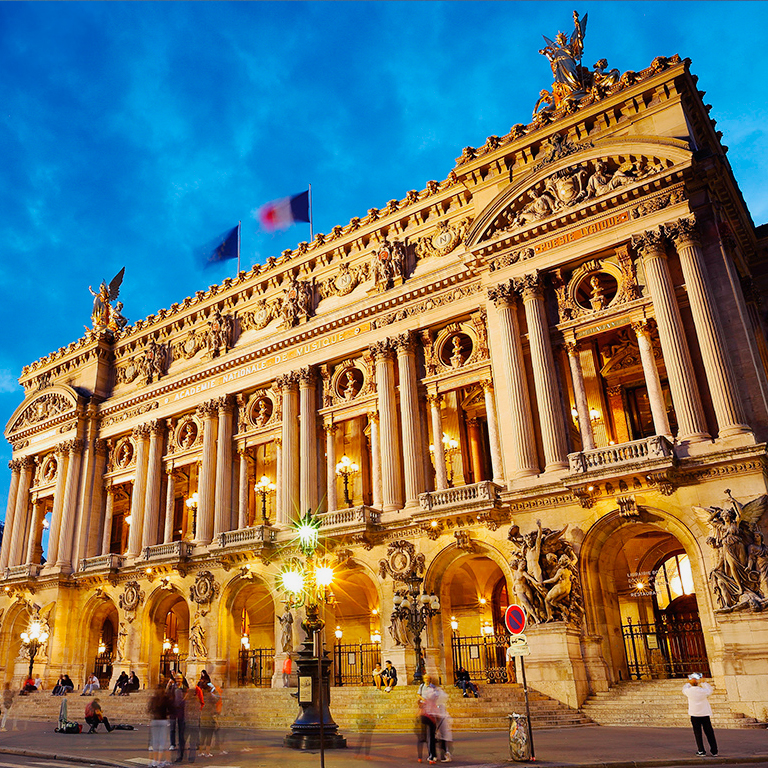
(345,468)
(309,581)
(33,640)
(414,608)
(264,487)
(191,503)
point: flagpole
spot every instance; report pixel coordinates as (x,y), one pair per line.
(239,226)
(311,231)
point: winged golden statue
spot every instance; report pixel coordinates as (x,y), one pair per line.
(735,535)
(104,315)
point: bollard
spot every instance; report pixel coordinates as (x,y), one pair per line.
(519,744)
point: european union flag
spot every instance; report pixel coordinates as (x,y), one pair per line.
(223,248)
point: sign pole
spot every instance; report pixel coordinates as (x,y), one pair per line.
(527,707)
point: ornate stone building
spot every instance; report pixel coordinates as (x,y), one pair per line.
(547,373)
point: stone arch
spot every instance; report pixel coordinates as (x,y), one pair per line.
(14,623)
(247,608)
(357,591)
(162,601)
(600,554)
(673,152)
(98,610)
(54,403)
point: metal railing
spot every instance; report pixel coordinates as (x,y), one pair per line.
(649,448)
(256,667)
(483,656)
(353,663)
(667,648)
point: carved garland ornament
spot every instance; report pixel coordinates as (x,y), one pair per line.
(401,561)
(204,589)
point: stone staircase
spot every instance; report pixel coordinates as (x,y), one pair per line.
(353,708)
(657,703)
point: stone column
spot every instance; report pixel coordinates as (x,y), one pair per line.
(545,381)
(170,503)
(493,431)
(441,475)
(391,457)
(16,533)
(75,449)
(278,476)
(138,495)
(330,463)
(58,504)
(373,420)
(223,498)
(652,382)
(152,502)
(35,525)
(92,541)
(409,414)
(520,419)
(242,500)
(106,535)
(682,381)
(308,439)
(289,496)
(10,511)
(205,482)
(475,452)
(580,396)
(717,364)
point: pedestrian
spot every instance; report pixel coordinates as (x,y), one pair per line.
(429,714)
(6,706)
(444,727)
(207,713)
(700,711)
(160,736)
(287,666)
(511,670)
(389,675)
(94,716)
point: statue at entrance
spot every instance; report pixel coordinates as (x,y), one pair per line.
(122,639)
(197,638)
(286,634)
(739,578)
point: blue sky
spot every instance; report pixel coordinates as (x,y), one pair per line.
(132,133)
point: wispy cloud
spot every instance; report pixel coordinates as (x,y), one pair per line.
(8,382)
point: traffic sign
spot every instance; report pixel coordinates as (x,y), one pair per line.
(514,618)
(518,646)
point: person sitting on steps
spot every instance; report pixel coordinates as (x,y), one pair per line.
(464,682)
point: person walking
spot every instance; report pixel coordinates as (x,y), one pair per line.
(160,732)
(429,715)
(700,711)
(207,714)
(7,703)
(444,727)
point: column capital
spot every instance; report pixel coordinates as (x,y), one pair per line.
(110,489)
(27,462)
(330,428)
(73,446)
(287,380)
(307,377)
(403,343)
(571,347)
(530,286)
(155,427)
(207,410)
(641,327)
(100,445)
(503,295)
(142,430)
(225,403)
(683,232)
(615,390)
(278,441)
(434,398)
(650,243)
(373,416)
(382,350)
(487,383)
(14,465)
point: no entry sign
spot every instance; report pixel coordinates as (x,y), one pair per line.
(514,618)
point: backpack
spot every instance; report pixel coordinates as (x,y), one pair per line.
(69,727)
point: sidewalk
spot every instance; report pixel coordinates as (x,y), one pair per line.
(588,746)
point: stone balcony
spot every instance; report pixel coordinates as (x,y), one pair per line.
(352,520)
(478,497)
(22,572)
(649,449)
(255,537)
(172,552)
(101,563)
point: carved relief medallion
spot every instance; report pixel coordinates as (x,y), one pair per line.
(401,561)
(204,589)
(132,598)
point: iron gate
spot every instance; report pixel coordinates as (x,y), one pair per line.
(353,663)
(668,648)
(171,662)
(256,667)
(483,656)
(102,668)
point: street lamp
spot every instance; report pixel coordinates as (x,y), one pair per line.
(191,503)
(415,612)
(454,624)
(264,486)
(309,583)
(34,639)
(345,468)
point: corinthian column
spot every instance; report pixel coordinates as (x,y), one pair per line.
(289,497)
(543,363)
(242,499)
(34,528)
(138,495)
(170,504)
(223,497)
(438,448)
(682,382)
(58,504)
(109,509)
(520,419)
(493,431)
(10,511)
(152,504)
(409,414)
(206,480)
(580,395)
(20,515)
(717,365)
(391,458)
(652,382)
(308,450)
(75,449)
(373,420)
(330,463)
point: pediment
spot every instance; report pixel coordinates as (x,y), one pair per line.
(560,186)
(53,403)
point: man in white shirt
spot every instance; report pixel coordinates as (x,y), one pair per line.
(700,711)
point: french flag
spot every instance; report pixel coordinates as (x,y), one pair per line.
(280,214)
